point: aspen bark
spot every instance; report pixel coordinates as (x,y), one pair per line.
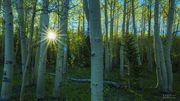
(96,51)
(9,52)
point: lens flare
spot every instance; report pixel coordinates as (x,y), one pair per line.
(51,36)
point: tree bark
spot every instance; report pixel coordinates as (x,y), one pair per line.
(169,44)
(159,52)
(122,43)
(9,52)
(61,61)
(43,50)
(29,52)
(149,48)
(107,44)
(112,6)
(96,51)
(22,36)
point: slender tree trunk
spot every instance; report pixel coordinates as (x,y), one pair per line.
(128,17)
(111,32)
(43,50)
(127,23)
(107,45)
(34,75)
(37,50)
(135,34)
(9,52)
(61,60)
(96,51)
(22,38)
(64,30)
(143,24)
(159,52)
(122,43)
(29,52)
(86,10)
(149,48)
(169,45)
(59,71)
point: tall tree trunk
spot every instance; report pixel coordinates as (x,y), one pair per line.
(149,48)
(29,51)
(96,51)
(107,45)
(64,31)
(43,50)
(122,43)
(61,61)
(59,71)
(9,52)
(135,34)
(34,75)
(169,44)
(111,32)
(22,37)
(159,52)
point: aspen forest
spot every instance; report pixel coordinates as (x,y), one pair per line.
(89,50)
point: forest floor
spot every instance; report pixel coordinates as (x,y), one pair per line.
(77,91)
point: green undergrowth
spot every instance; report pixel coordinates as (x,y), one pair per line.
(77,91)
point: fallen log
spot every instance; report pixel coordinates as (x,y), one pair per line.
(110,83)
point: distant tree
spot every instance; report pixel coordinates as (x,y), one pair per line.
(86,10)
(112,13)
(135,34)
(122,43)
(149,45)
(24,77)
(107,54)
(9,52)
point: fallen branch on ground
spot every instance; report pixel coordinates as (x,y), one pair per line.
(110,83)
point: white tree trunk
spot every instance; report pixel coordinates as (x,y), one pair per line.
(96,51)
(149,48)
(122,43)
(159,52)
(34,74)
(43,50)
(9,52)
(64,29)
(59,72)
(22,33)
(169,45)
(61,60)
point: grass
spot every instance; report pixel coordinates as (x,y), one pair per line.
(74,91)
